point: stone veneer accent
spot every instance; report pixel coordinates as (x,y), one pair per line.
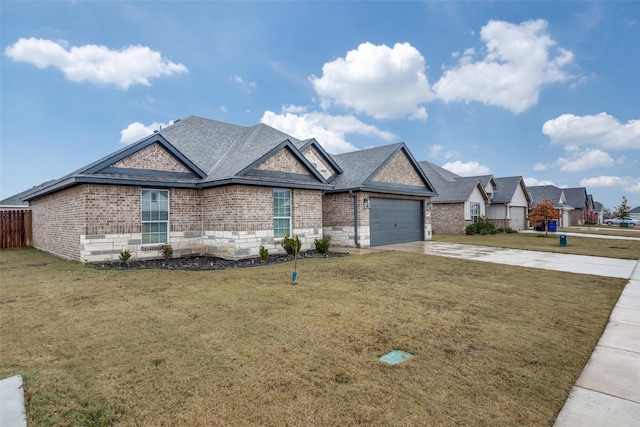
(338,226)
(399,170)
(318,162)
(153,157)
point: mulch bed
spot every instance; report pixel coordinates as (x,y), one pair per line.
(203,262)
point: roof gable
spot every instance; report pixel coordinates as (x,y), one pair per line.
(507,188)
(376,169)
(152,157)
(284,162)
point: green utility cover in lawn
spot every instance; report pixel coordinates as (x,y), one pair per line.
(396,357)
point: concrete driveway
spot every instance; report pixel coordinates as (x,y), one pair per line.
(609,267)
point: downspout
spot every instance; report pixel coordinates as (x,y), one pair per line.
(355,218)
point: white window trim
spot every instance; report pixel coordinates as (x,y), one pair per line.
(155,222)
(472,204)
(290,217)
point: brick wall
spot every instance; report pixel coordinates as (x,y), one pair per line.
(238,219)
(448,218)
(58,222)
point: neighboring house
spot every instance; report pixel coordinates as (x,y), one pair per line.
(557,196)
(13,203)
(460,200)
(210,187)
(599,211)
(635,212)
(510,204)
(578,199)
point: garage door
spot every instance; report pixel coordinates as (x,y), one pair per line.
(518,218)
(395,221)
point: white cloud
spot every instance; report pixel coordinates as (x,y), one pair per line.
(629,184)
(328,130)
(136,131)
(246,87)
(583,160)
(379,81)
(517,63)
(438,151)
(540,167)
(96,64)
(600,130)
(467,169)
(532,182)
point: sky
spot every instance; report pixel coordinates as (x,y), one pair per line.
(549,91)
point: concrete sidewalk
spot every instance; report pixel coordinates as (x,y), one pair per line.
(607,392)
(12,412)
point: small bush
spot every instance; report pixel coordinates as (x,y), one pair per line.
(482,227)
(322,245)
(264,254)
(124,256)
(511,230)
(291,245)
(166,251)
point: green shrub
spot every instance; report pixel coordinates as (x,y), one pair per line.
(291,245)
(166,251)
(264,254)
(124,256)
(482,227)
(322,245)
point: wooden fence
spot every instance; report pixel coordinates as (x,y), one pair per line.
(15,229)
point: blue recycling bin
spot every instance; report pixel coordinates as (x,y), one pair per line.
(563,240)
(552,226)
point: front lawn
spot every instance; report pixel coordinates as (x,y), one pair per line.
(492,344)
(610,248)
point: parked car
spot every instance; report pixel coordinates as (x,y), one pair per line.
(632,222)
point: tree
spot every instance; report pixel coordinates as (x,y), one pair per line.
(623,210)
(543,212)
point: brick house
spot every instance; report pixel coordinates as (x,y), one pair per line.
(210,187)
(460,200)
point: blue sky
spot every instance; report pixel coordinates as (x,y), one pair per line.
(546,90)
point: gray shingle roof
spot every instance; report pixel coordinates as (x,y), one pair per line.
(507,187)
(551,192)
(219,153)
(576,197)
(449,186)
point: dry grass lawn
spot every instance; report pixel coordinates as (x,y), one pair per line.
(493,345)
(611,248)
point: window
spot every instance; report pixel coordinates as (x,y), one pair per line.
(155,216)
(281,213)
(475,212)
